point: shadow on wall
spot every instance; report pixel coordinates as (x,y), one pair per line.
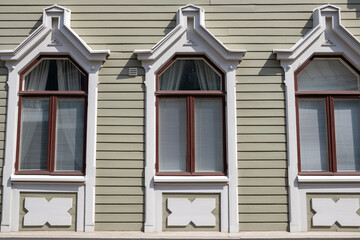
(37,24)
(354,4)
(170,26)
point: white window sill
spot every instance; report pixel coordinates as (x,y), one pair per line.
(191,179)
(47,178)
(328,179)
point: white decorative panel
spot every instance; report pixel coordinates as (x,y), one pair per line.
(198,211)
(343,211)
(41,211)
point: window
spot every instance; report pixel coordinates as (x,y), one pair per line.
(328,106)
(51,127)
(190,118)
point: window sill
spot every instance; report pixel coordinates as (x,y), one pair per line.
(47,178)
(191,179)
(328,179)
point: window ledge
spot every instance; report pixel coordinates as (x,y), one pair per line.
(191,179)
(47,178)
(328,179)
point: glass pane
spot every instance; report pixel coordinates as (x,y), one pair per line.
(54,75)
(327,75)
(190,75)
(172,135)
(347,135)
(34,134)
(313,135)
(69,135)
(208,135)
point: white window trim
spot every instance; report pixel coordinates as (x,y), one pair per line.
(190,179)
(326,38)
(53,37)
(190,39)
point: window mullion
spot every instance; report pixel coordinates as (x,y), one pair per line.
(191,135)
(190,157)
(331,133)
(52,134)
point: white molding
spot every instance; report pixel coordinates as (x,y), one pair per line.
(336,189)
(328,179)
(53,37)
(46,188)
(46,178)
(190,36)
(191,179)
(327,28)
(194,189)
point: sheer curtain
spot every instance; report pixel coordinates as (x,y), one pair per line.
(69,135)
(172,135)
(347,134)
(37,78)
(69,77)
(207,77)
(70,120)
(34,134)
(170,80)
(327,75)
(313,136)
(208,135)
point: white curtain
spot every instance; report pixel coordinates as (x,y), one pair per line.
(34,134)
(69,135)
(69,77)
(347,135)
(313,135)
(37,78)
(170,80)
(172,135)
(207,77)
(327,75)
(208,135)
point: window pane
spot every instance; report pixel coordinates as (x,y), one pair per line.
(54,75)
(190,75)
(69,135)
(34,134)
(172,135)
(347,135)
(208,135)
(313,135)
(327,75)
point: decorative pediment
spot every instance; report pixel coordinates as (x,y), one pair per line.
(54,36)
(328,36)
(190,36)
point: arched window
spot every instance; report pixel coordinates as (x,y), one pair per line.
(52,117)
(190,118)
(328,109)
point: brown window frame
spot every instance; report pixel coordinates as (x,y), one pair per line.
(190,96)
(329,97)
(53,96)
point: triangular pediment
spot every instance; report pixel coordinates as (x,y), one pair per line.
(54,9)
(54,36)
(328,36)
(190,36)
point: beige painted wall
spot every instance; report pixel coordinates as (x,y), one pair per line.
(124,25)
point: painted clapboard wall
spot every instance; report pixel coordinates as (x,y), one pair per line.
(124,25)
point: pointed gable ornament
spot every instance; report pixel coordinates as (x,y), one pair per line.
(190,36)
(55,30)
(328,36)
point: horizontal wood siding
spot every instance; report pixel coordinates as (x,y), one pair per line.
(258,26)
